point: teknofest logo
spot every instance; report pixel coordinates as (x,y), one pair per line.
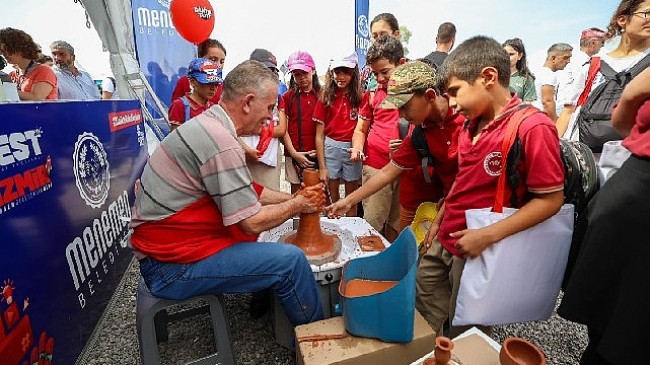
(91,170)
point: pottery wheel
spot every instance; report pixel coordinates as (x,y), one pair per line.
(324,257)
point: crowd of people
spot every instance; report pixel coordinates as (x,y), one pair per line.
(396,134)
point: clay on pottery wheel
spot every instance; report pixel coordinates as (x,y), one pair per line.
(317,246)
(517,351)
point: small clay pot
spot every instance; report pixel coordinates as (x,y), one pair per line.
(444,345)
(517,351)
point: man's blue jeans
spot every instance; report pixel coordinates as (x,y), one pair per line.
(242,268)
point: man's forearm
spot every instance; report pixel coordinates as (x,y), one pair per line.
(270,196)
(270,216)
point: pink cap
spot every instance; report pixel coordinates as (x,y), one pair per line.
(301,60)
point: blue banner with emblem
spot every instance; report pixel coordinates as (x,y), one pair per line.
(155,37)
(361,30)
(67,172)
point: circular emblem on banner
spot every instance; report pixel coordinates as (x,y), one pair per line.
(492,164)
(362,25)
(91,170)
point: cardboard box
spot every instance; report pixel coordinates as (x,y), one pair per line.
(327,343)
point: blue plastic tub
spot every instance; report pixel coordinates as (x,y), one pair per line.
(387,315)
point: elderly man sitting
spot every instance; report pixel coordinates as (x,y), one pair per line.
(197,211)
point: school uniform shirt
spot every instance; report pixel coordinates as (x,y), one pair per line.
(479,167)
(177,110)
(183,87)
(383,123)
(307,125)
(638,142)
(339,119)
(413,188)
(443,146)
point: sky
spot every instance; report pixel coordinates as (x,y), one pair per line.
(325,28)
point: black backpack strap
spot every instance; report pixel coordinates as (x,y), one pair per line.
(640,66)
(512,161)
(419,142)
(607,70)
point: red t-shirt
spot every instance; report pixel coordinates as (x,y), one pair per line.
(183,88)
(383,123)
(540,167)
(339,119)
(40,73)
(307,125)
(413,189)
(638,142)
(443,146)
(177,110)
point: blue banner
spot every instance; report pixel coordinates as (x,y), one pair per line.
(67,171)
(162,53)
(361,30)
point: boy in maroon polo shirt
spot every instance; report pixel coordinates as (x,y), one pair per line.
(412,89)
(476,76)
(373,131)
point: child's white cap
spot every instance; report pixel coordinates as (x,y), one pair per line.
(350,61)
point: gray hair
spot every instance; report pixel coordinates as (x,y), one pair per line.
(63,44)
(559,48)
(248,77)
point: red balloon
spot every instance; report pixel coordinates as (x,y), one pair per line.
(193,19)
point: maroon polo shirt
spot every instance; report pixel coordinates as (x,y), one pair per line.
(308,126)
(383,123)
(479,168)
(339,119)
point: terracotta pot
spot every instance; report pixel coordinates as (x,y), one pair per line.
(517,351)
(442,354)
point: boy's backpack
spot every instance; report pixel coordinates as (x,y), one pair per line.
(186,104)
(594,121)
(419,143)
(580,182)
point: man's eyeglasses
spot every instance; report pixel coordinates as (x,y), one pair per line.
(642,14)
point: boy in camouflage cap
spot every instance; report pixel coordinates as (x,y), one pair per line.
(413,90)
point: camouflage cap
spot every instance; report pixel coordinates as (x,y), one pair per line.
(405,81)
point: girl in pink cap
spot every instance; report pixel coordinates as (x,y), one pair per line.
(299,102)
(336,117)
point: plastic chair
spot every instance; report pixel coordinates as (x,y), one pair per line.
(152,320)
